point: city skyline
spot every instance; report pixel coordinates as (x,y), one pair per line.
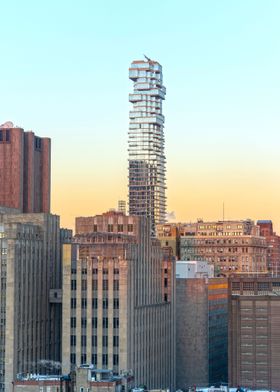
(221,114)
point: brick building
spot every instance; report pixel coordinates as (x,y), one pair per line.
(273,246)
(24,170)
(254,332)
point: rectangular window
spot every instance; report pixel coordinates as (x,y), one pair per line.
(73,322)
(94,322)
(116,322)
(104,359)
(116,284)
(94,271)
(105,322)
(73,303)
(73,340)
(105,341)
(84,285)
(94,340)
(95,284)
(94,303)
(73,358)
(83,340)
(105,284)
(105,271)
(105,303)
(83,359)
(110,228)
(115,341)
(165,282)
(94,359)
(83,322)
(84,303)
(116,271)
(130,228)
(95,228)
(115,359)
(116,303)
(120,228)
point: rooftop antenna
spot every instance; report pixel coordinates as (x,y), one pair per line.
(147,58)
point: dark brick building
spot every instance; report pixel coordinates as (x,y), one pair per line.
(273,246)
(24,170)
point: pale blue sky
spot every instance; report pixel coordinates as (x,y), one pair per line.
(64,74)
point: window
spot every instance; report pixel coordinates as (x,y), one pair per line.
(94,322)
(115,359)
(94,340)
(84,271)
(84,285)
(116,284)
(95,228)
(83,322)
(73,303)
(1,136)
(165,298)
(104,359)
(105,271)
(130,228)
(120,228)
(105,303)
(116,303)
(115,341)
(84,303)
(94,359)
(73,358)
(95,284)
(83,359)
(83,341)
(105,284)
(73,340)
(94,303)
(105,322)
(94,271)
(116,271)
(110,228)
(73,322)
(116,322)
(165,282)
(105,341)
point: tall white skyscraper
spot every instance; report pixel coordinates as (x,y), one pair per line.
(146,143)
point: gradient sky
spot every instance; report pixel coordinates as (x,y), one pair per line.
(64,74)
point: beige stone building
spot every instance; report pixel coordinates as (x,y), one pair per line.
(232,246)
(29,269)
(118,310)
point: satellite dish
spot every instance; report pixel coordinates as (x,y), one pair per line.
(7,124)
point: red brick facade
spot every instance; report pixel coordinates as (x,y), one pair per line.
(24,170)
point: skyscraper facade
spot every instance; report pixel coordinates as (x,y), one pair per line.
(24,170)
(146,143)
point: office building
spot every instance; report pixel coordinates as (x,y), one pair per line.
(254,332)
(146,143)
(118,308)
(201,331)
(273,246)
(168,235)
(30,309)
(24,170)
(232,246)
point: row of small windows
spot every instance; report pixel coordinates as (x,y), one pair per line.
(94,359)
(105,284)
(94,271)
(105,322)
(73,341)
(120,228)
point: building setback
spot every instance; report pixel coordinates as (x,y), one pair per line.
(30,315)
(118,297)
(24,170)
(201,331)
(146,143)
(254,332)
